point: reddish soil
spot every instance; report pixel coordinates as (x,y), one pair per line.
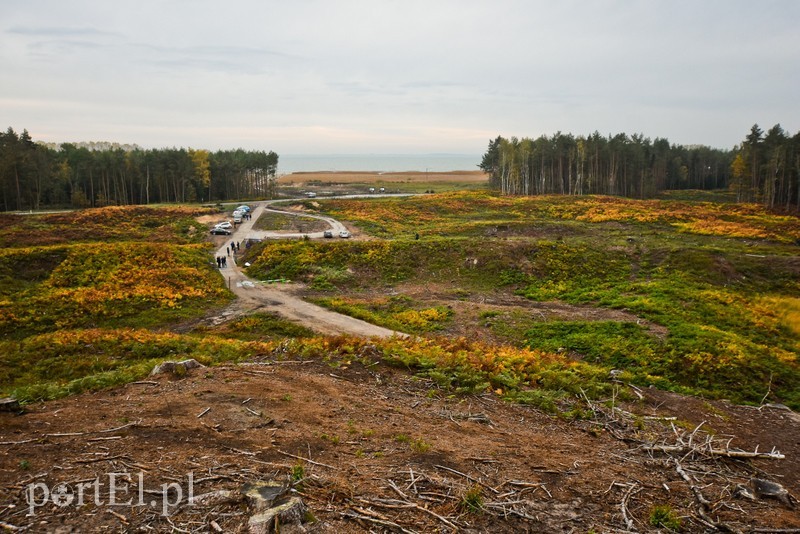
(361,429)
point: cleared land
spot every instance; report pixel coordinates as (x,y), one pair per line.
(523,402)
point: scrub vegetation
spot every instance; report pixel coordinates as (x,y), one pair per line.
(713,290)
(719,283)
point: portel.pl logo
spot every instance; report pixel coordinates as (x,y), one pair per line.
(115,490)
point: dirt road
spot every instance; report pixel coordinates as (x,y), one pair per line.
(253,295)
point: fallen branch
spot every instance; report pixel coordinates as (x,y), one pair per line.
(102,459)
(110,438)
(397,490)
(405,505)
(528,485)
(376,521)
(239,451)
(72,434)
(307,460)
(17,442)
(121,517)
(645,417)
(471,479)
(629,526)
(684,449)
(201,414)
(502,511)
(704,505)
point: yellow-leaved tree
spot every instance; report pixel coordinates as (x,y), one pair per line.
(202,170)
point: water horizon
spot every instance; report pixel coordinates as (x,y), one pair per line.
(290,163)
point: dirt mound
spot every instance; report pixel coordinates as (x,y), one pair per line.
(372,448)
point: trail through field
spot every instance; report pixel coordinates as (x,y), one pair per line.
(253,295)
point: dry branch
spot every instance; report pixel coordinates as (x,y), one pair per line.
(685,449)
(471,479)
(382,522)
(629,526)
(502,511)
(703,504)
(103,459)
(395,504)
(306,460)
(17,442)
(119,516)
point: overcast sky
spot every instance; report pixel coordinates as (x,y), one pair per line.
(327,77)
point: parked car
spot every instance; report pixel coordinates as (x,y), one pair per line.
(344,234)
(327,234)
(243,208)
(226,225)
(220,231)
(311,194)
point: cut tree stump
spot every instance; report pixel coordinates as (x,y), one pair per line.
(9,405)
(176,368)
(292,512)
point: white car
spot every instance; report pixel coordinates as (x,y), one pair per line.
(224,225)
(344,234)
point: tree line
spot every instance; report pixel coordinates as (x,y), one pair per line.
(763,168)
(34,175)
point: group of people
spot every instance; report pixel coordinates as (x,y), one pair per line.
(222,261)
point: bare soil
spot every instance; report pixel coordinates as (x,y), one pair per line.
(361,429)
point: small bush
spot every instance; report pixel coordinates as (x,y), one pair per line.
(664,516)
(472,500)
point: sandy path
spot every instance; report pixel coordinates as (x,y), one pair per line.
(253,295)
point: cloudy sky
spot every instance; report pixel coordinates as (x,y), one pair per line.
(400,77)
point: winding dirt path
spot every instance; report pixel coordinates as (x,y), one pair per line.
(253,295)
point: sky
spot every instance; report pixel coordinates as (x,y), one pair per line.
(395,77)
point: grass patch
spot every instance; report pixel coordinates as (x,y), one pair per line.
(397,313)
(56,364)
(259,326)
(278,222)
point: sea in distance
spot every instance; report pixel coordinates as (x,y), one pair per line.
(290,163)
